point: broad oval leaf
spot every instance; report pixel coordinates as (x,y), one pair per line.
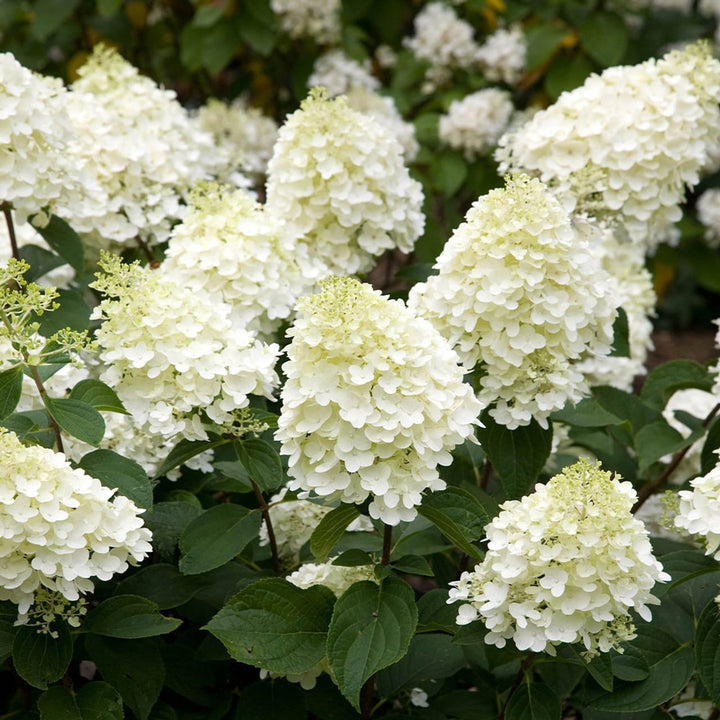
(10,390)
(58,703)
(533,701)
(671,376)
(184,450)
(119,473)
(273,624)
(77,418)
(129,617)
(371,628)
(707,649)
(262,462)
(95,701)
(216,537)
(40,659)
(161,583)
(64,241)
(330,529)
(99,395)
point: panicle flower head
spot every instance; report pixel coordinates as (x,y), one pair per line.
(338,180)
(142,146)
(173,353)
(338,73)
(626,144)
(230,245)
(699,510)
(522,296)
(502,55)
(475,123)
(61,527)
(565,564)
(708,213)
(337,578)
(373,403)
(316,19)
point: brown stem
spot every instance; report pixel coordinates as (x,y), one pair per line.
(152,260)
(524,667)
(387,542)
(651,486)
(7,211)
(43,394)
(485,477)
(264,509)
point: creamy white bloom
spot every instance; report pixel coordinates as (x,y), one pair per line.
(174,354)
(61,527)
(141,145)
(338,180)
(373,403)
(708,213)
(565,564)
(475,123)
(337,578)
(244,135)
(442,38)
(699,510)
(502,55)
(522,296)
(231,246)
(316,19)
(626,144)
(337,72)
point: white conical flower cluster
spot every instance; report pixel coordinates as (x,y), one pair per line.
(625,145)
(230,245)
(174,354)
(61,527)
(699,510)
(567,563)
(338,180)
(523,296)
(316,19)
(373,403)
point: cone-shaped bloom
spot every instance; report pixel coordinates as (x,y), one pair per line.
(373,403)
(565,564)
(699,511)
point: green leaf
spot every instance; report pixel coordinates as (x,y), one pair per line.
(353,558)
(40,260)
(77,418)
(208,15)
(107,8)
(448,172)
(604,35)
(11,382)
(255,24)
(216,537)
(135,668)
(670,666)
(655,440)
(275,625)
(413,565)
(8,629)
(58,703)
(586,413)
(330,529)
(119,473)
(261,461)
(94,701)
(629,407)
(621,339)
(99,395)
(57,233)
(458,515)
(31,423)
(671,376)
(161,583)
(40,659)
(542,41)
(371,628)
(517,456)
(708,457)
(73,312)
(707,649)
(563,75)
(210,47)
(533,701)
(185,450)
(49,15)
(128,617)
(167,522)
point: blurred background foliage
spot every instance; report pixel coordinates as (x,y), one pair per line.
(231,48)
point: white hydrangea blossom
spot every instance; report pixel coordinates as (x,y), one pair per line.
(524,297)
(231,246)
(708,213)
(699,510)
(442,38)
(244,135)
(338,180)
(626,144)
(173,354)
(337,578)
(565,564)
(337,72)
(61,527)
(502,55)
(475,123)
(36,169)
(384,111)
(625,262)
(373,403)
(317,19)
(142,147)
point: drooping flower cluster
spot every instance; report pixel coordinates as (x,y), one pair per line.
(316,19)
(502,56)
(142,146)
(173,355)
(373,403)
(338,180)
(231,246)
(523,296)
(475,123)
(699,510)
(61,527)
(626,144)
(338,73)
(565,564)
